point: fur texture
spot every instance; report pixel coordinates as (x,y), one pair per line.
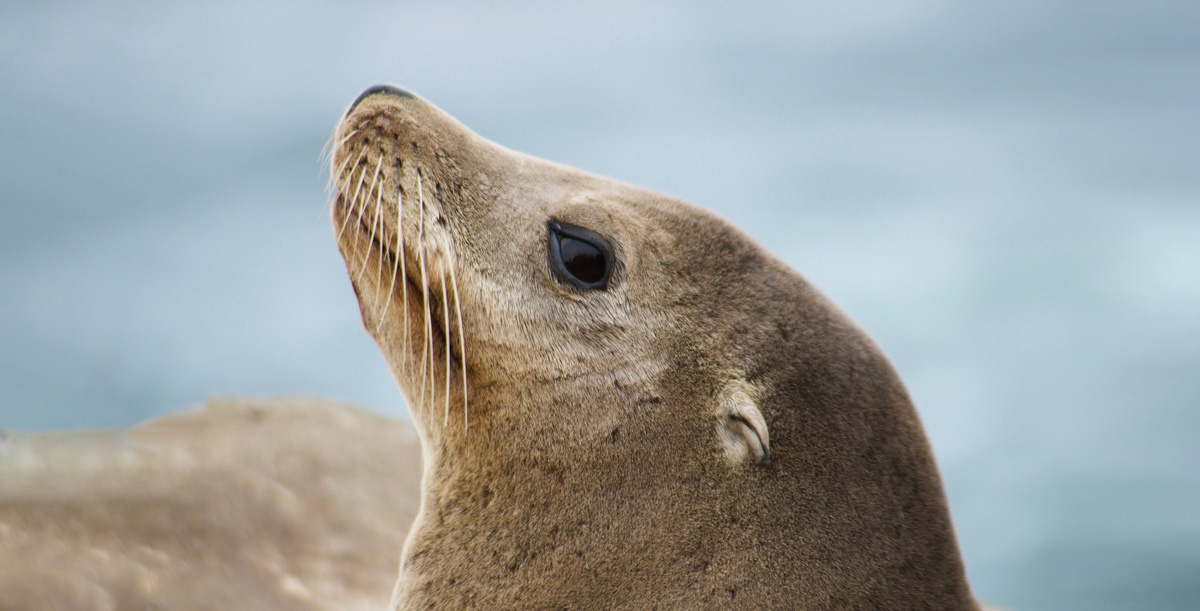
(585,449)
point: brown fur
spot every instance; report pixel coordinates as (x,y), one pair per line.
(591,466)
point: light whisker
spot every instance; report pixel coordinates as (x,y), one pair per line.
(338,174)
(462,344)
(371,241)
(379,218)
(446,328)
(428,343)
(399,252)
(327,157)
(404,270)
(353,200)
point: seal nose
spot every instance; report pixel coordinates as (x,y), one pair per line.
(382,90)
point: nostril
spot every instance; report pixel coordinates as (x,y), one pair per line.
(382,90)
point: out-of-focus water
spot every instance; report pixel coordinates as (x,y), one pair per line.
(1007,196)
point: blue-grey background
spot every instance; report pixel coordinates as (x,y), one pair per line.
(1007,196)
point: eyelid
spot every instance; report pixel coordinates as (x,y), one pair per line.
(558,230)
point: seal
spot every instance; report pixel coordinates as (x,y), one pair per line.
(623,401)
(273,504)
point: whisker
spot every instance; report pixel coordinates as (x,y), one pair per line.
(378,222)
(446,328)
(327,155)
(404,270)
(326,158)
(346,161)
(349,213)
(353,200)
(362,210)
(428,344)
(336,176)
(374,223)
(379,219)
(331,148)
(395,271)
(462,342)
(326,150)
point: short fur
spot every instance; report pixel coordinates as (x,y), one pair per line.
(589,463)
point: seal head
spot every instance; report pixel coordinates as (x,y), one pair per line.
(622,399)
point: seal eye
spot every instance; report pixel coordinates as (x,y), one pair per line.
(582,260)
(579,257)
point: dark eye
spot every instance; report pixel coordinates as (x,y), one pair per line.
(579,257)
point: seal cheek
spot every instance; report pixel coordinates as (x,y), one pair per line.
(743,430)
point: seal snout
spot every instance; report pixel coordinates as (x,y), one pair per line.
(389,90)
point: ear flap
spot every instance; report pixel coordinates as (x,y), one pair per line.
(743,429)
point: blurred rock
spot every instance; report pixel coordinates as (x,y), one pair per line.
(240,504)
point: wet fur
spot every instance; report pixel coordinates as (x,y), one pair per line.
(584,465)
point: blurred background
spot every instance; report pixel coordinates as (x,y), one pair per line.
(1007,196)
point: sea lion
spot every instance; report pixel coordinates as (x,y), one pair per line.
(623,401)
(266,504)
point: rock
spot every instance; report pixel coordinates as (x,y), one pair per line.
(240,504)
